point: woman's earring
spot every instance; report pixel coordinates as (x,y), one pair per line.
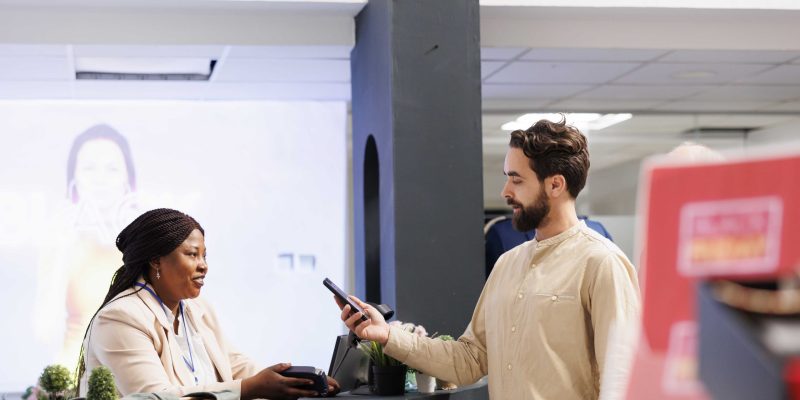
(158,274)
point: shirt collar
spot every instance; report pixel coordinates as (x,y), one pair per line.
(561,236)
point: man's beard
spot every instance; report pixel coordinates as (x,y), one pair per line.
(530,217)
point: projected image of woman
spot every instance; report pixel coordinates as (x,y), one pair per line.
(101,183)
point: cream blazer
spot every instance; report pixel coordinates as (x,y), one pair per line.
(132,337)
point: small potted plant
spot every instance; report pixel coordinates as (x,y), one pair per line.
(101,385)
(387,375)
(55,382)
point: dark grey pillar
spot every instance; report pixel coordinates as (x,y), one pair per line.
(417,159)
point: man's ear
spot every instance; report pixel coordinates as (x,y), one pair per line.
(557,186)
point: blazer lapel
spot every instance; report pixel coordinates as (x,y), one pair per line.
(182,370)
(179,367)
(215,353)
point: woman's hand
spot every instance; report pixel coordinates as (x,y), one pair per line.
(333,387)
(375,328)
(270,384)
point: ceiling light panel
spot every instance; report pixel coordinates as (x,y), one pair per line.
(585,122)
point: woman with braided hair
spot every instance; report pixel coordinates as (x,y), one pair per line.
(157,335)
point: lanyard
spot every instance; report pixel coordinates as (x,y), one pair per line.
(190,361)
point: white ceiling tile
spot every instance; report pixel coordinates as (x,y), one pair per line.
(278,91)
(741,119)
(730,56)
(651,125)
(669,73)
(579,104)
(159,90)
(494,120)
(35,90)
(530,91)
(793,106)
(282,70)
(35,69)
(501,53)
(780,75)
(712,106)
(555,72)
(489,67)
(750,93)
(211,52)
(33,50)
(489,104)
(635,92)
(339,52)
(618,55)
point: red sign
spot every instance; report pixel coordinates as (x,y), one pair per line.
(731,219)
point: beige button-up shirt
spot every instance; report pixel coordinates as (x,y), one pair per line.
(556,320)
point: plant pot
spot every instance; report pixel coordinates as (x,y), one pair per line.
(425,383)
(388,381)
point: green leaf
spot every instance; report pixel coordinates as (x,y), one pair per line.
(101,385)
(55,379)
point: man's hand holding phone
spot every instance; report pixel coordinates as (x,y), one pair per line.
(374,328)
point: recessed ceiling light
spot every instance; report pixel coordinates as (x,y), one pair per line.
(585,122)
(688,75)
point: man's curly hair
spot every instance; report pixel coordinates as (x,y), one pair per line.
(555,148)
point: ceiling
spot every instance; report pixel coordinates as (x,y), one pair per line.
(514,79)
(241,72)
(676,70)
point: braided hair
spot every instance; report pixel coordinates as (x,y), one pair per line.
(153,234)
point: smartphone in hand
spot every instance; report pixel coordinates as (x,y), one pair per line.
(341,295)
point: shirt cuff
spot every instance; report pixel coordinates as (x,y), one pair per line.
(400,344)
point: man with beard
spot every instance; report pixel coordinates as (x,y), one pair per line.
(558,315)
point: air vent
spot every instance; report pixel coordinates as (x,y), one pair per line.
(144,69)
